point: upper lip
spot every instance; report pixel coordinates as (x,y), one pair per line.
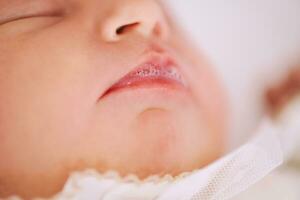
(158,59)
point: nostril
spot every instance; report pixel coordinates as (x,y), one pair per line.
(125,28)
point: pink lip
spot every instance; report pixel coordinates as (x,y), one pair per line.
(158,72)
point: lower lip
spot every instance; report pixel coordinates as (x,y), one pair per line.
(149,82)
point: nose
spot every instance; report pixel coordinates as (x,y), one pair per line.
(126,17)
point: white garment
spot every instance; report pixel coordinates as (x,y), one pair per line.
(283,183)
(223,179)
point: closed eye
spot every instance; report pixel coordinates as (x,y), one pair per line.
(13,10)
(8,19)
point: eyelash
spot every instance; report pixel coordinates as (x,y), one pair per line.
(30,16)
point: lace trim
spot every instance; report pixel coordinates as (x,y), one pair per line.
(130,178)
(77,176)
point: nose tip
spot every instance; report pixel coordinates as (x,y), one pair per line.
(144,17)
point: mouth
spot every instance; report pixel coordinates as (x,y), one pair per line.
(159,72)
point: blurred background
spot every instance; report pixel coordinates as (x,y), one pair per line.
(251,42)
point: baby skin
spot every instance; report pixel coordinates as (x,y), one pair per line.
(102,84)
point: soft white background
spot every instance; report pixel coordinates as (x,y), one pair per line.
(251,43)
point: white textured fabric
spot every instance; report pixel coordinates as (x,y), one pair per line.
(90,185)
(283,183)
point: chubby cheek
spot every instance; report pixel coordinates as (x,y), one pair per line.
(37,133)
(42,116)
(35,147)
(47,95)
(206,85)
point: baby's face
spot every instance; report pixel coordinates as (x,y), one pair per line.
(59,112)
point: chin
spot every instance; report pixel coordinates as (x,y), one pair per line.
(163,131)
(168,143)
